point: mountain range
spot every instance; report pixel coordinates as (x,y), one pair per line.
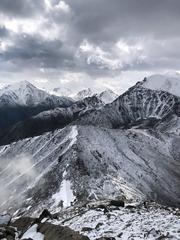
(106,96)
(91,152)
(22,100)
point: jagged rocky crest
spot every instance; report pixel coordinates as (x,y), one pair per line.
(137,106)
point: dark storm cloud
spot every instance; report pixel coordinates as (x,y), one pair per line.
(38,52)
(105,20)
(20,8)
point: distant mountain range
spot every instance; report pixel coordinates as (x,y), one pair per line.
(25,94)
(106,96)
(31,111)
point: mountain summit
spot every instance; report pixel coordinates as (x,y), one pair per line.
(22,100)
(25,94)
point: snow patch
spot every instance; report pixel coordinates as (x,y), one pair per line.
(33,234)
(65,194)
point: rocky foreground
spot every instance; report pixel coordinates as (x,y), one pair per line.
(100,220)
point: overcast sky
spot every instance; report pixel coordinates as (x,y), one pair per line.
(88,43)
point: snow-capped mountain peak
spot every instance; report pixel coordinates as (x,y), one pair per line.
(18,86)
(83,94)
(105,96)
(167,83)
(24,93)
(108,96)
(21,93)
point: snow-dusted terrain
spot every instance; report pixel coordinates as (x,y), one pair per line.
(138,106)
(137,164)
(84,94)
(33,234)
(25,94)
(126,151)
(107,96)
(49,120)
(138,222)
(23,100)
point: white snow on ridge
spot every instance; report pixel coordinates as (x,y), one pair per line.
(20,92)
(83,94)
(165,83)
(107,96)
(23,93)
(65,193)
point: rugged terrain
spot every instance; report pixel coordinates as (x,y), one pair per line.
(49,120)
(126,151)
(135,164)
(23,100)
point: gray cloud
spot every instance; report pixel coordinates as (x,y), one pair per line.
(97,38)
(3,32)
(21,8)
(105,20)
(37,52)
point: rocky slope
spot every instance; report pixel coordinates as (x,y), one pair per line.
(71,165)
(100,220)
(36,229)
(23,100)
(49,120)
(25,94)
(89,173)
(138,106)
(134,221)
(106,96)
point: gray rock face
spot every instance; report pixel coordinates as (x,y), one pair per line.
(136,107)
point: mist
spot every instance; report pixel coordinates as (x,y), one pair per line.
(18,174)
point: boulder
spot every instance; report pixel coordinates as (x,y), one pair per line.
(55,232)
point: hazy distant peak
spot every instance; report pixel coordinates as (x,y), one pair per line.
(165,83)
